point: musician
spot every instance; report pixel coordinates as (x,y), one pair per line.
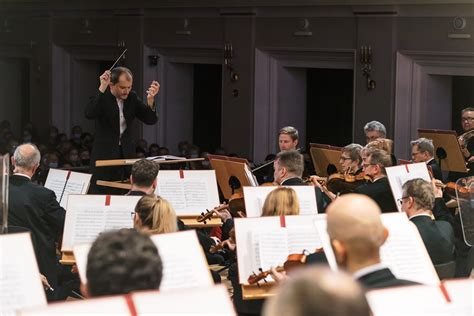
(143,177)
(281,201)
(422,150)
(418,201)
(154,215)
(289,167)
(288,138)
(374,130)
(350,160)
(467,122)
(121,262)
(318,291)
(356,232)
(114,109)
(379,189)
(35,208)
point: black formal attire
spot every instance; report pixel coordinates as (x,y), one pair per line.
(108,143)
(35,208)
(380,192)
(438,237)
(435,169)
(382,278)
(322,199)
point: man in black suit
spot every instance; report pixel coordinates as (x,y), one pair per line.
(422,150)
(114,111)
(356,232)
(34,207)
(143,177)
(379,189)
(417,201)
(289,166)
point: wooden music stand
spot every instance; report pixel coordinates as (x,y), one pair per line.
(447,149)
(67,258)
(324,155)
(258,292)
(227,168)
(128,162)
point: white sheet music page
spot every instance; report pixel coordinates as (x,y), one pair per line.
(250,176)
(267,241)
(398,175)
(211,301)
(80,255)
(20,283)
(184,263)
(64,182)
(409,300)
(89,215)
(191,194)
(404,251)
(461,295)
(113,305)
(255,198)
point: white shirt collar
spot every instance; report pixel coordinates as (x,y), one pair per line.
(367,270)
(416,215)
(23,175)
(288,179)
(428,161)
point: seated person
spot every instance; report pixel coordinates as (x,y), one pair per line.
(422,150)
(318,291)
(281,201)
(120,262)
(379,189)
(356,232)
(374,130)
(154,215)
(143,177)
(417,201)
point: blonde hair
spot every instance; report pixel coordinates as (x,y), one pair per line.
(281,201)
(156,214)
(383,144)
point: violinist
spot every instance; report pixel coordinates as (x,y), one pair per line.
(374,130)
(466,140)
(422,150)
(379,189)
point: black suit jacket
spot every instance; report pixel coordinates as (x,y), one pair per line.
(35,208)
(103,108)
(322,199)
(438,237)
(381,193)
(381,279)
(435,169)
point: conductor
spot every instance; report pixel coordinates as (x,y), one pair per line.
(114,110)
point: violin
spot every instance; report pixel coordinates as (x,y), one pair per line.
(207,216)
(214,249)
(293,262)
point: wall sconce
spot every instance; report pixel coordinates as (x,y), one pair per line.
(228,55)
(366,62)
(153,59)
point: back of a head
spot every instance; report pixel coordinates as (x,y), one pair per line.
(384,144)
(421,191)
(144,172)
(26,156)
(354,219)
(156,215)
(318,291)
(292,160)
(121,262)
(281,201)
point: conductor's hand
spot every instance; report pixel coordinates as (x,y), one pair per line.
(104,81)
(151,92)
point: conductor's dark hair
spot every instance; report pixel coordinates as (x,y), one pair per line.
(144,172)
(118,71)
(123,261)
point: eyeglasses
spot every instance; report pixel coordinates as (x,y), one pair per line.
(467,119)
(133,214)
(344,158)
(365,165)
(400,200)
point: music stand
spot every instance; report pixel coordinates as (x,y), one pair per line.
(447,149)
(4,173)
(325,157)
(230,173)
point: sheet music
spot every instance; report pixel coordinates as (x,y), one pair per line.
(165,157)
(461,294)
(57,181)
(255,198)
(213,300)
(87,216)
(20,283)
(403,252)
(80,255)
(190,195)
(398,175)
(250,176)
(184,263)
(263,242)
(112,305)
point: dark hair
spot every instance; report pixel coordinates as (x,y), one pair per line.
(292,160)
(123,261)
(144,172)
(117,72)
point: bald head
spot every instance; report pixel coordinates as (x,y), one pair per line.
(26,157)
(318,291)
(354,221)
